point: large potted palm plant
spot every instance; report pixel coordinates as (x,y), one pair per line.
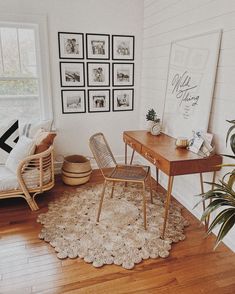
(222,196)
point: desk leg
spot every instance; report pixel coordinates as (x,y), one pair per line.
(125,153)
(203,203)
(207,221)
(157,175)
(132,156)
(167,205)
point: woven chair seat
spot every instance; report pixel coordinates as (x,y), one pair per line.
(119,173)
(133,172)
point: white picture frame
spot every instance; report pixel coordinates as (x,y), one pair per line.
(72,74)
(71,45)
(190,84)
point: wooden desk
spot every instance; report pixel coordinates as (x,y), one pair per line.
(161,151)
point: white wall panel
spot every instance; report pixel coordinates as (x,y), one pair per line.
(164,22)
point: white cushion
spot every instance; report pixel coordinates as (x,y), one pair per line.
(24,147)
(31,128)
(9,133)
(8,180)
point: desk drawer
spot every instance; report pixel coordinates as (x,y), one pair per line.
(156,159)
(132,143)
(150,155)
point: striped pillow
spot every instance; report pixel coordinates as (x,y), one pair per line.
(30,129)
(9,135)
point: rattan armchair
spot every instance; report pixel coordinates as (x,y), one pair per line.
(114,172)
(35,174)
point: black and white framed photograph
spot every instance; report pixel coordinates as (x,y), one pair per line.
(72,74)
(123,74)
(73,101)
(123,47)
(123,99)
(71,45)
(98,74)
(98,100)
(97,46)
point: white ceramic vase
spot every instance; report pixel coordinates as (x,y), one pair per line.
(150,123)
(156,128)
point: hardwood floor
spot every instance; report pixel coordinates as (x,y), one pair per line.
(29,265)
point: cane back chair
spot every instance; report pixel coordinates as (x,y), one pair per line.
(113,172)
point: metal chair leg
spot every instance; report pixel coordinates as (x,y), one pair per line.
(150,186)
(112,189)
(101,201)
(144,207)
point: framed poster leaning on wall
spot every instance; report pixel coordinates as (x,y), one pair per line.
(190,84)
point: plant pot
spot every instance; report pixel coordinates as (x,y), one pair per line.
(156,128)
(76,170)
(150,123)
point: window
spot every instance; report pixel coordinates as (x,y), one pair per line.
(24,70)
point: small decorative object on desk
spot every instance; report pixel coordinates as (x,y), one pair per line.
(201,143)
(154,122)
(181,142)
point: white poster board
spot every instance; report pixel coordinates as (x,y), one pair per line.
(190,84)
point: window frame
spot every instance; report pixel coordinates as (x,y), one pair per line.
(39,24)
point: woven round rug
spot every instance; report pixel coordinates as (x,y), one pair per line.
(70,226)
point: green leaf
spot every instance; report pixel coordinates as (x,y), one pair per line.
(225,228)
(229,131)
(232,143)
(231,121)
(212,207)
(226,155)
(220,217)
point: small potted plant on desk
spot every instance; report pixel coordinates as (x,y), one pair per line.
(154,122)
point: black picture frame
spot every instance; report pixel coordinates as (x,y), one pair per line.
(123,47)
(125,76)
(123,106)
(78,38)
(99,38)
(92,80)
(72,74)
(69,102)
(94,109)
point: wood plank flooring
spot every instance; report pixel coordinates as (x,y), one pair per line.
(29,265)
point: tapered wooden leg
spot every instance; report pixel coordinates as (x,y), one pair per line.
(203,202)
(112,189)
(144,207)
(157,175)
(150,186)
(125,153)
(207,220)
(167,205)
(101,201)
(202,190)
(132,156)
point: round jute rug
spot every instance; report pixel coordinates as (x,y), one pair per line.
(70,226)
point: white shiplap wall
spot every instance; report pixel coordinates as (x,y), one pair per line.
(168,20)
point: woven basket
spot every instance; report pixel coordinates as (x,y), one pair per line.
(76,170)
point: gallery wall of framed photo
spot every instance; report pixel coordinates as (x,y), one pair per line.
(96,72)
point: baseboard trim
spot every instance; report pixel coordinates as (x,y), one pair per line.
(119,158)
